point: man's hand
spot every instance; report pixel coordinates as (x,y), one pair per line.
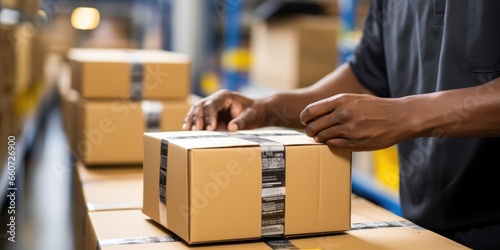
(225,110)
(356,122)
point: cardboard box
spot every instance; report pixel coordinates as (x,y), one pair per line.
(107,226)
(130,74)
(126,230)
(293,52)
(110,132)
(118,186)
(217,185)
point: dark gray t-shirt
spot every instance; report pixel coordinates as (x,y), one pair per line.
(420,46)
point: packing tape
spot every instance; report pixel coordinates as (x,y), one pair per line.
(281,244)
(93,207)
(273,185)
(384,224)
(152,111)
(136,81)
(136,241)
(163,182)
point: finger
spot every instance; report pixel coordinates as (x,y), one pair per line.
(199,117)
(321,123)
(332,132)
(212,107)
(243,121)
(341,143)
(317,109)
(188,120)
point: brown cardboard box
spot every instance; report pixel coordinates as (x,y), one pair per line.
(118,186)
(107,226)
(293,52)
(110,132)
(125,230)
(214,184)
(130,74)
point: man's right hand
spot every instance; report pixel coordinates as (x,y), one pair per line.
(225,110)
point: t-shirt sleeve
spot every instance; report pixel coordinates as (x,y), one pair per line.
(368,60)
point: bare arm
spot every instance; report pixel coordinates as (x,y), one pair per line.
(366,122)
(467,112)
(284,108)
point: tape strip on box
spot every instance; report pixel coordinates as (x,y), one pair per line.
(163,182)
(137,240)
(136,81)
(281,244)
(152,111)
(94,207)
(273,185)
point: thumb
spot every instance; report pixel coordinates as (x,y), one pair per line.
(242,121)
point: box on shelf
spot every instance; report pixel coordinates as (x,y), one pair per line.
(110,227)
(110,132)
(246,185)
(130,73)
(116,187)
(293,52)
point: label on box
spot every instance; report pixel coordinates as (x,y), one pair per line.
(136,79)
(163,181)
(273,185)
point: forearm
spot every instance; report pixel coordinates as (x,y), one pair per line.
(468,112)
(283,108)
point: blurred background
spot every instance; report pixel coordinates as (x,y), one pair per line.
(251,46)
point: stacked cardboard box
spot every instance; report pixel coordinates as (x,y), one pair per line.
(119,94)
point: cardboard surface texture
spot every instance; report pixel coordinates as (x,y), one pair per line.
(110,132)
(214,185)
(128,73)
(293,52)
(120,194)
(90,174)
